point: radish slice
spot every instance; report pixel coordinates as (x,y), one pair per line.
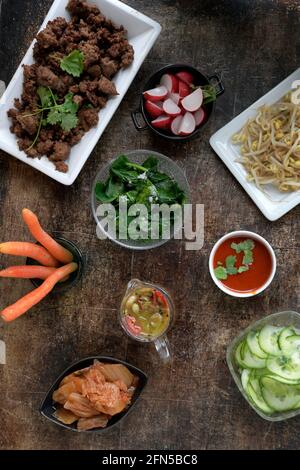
(170,82)
(199,116)
(171,108)
(184,89)
(131,325)
(185,77)
(175,97)
(156,94)
(176,123)
(162,122)
(193,101)
(154,109)
(187,125)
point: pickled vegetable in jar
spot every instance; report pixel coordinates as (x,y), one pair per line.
(146,312)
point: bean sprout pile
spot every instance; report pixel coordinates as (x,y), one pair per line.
(270,146)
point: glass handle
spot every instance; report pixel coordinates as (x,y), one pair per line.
(163,348)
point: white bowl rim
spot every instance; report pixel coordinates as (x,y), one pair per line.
(255,236)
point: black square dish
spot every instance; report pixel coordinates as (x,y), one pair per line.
(48,406)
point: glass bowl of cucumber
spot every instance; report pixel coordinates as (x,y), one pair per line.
(264,361)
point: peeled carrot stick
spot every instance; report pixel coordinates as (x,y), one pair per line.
(30,250)
(27,272)
(59,252)
(25,303)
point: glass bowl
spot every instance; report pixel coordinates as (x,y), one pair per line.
(277,319)
(165,165)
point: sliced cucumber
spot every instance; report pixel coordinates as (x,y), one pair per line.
(290,344)
(245,378)
(253,345)
(238,356)
(283,380)
(285,333)
(279,396)
(251,361)
(254,392)
(287,367)
(268,339)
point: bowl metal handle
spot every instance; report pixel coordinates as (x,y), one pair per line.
(134,115)
(216,81)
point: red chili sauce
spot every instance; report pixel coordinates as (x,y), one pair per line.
(258,273)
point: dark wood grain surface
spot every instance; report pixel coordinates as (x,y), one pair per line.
(191,403)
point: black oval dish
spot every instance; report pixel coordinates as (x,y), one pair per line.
(200,79)
(74,277)
(48,407)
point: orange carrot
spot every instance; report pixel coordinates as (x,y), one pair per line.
(25,303)
(27,272)
(59,252)
(30,250)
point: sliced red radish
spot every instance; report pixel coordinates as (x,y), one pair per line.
(156,94)
(154,109)
(187,125)
(170,82)
(171,108)
(199,116)
(175,97)
(162,122)
(186,77)
(193,101)
(184,89)
(131,325)
(176,125)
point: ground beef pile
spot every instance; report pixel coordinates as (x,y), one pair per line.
(105,50)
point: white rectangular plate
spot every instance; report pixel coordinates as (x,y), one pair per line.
(142,34)
(272,203)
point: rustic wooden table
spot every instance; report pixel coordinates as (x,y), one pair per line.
(192,403)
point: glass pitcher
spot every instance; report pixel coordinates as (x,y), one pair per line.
(146,315)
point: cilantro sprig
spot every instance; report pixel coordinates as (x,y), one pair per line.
(230,269)
(73,63)
(64,114)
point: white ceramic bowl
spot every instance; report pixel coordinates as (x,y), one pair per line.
(244,234)
(142,34)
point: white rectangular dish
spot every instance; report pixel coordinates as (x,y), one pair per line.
(272,203)
(142,34)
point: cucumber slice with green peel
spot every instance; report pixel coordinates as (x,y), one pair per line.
(238,356)
(285,333)
(279,396)
(253,345)
(290,344)
(245,379)
(254,393)
(251,361)
(268,339)
(287,367)
(280,379)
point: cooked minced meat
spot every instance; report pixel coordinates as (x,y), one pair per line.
(105,50)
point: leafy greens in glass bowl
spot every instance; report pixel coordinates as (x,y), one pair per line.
(131,194)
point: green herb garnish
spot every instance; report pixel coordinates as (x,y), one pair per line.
(64,114)
(51,112)
(230,268)
(73,63)
(221,273)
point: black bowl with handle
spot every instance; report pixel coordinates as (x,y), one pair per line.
(142,119)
